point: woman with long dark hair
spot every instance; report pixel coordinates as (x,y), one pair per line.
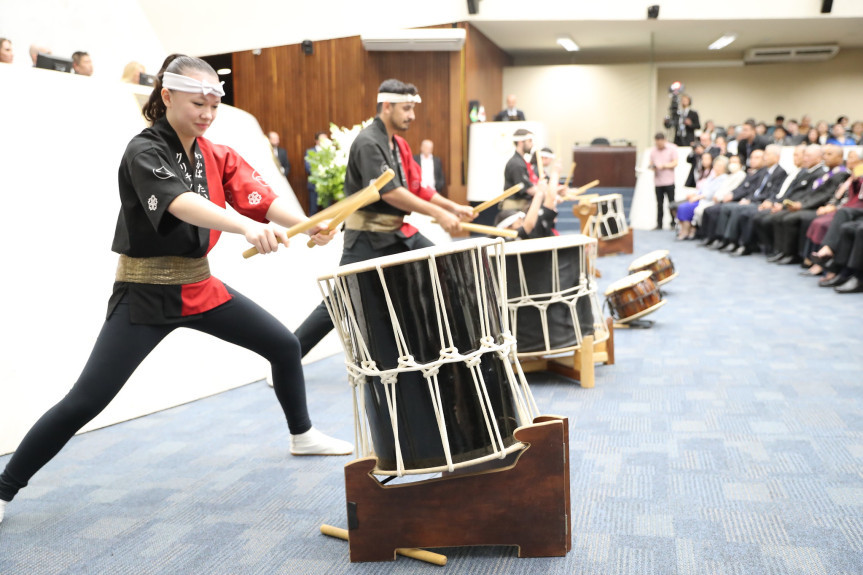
(174,186)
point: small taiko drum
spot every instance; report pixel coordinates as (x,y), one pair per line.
(658,263)
(551,289)
(609,221)
(632,297)
(430,357)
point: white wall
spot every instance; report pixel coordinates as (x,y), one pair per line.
(63,137)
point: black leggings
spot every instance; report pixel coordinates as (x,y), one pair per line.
(122,346)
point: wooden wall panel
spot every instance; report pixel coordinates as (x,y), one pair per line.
(297,94)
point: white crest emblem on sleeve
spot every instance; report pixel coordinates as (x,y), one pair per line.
(152,203)
(254,198)
(260,179)
(162,173)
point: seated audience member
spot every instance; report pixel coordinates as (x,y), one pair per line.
(731,138)
(765,221)
(6,53)
(734,219)
(838,137)
(857,132)
(843,120)
(779,122)
(842,253)
(812,137)
(719,147)
(36,49)
(823,132)
(82,64)
(701,166)
(703,197)
(789,230)
(709,129)
(538,222)
(794,135)
(846,196)
(709,229)
(779,137)
(132,72)
(510,113)
(748,140)
(761,129)
(805,123)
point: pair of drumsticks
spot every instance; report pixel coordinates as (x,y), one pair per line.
(339,212)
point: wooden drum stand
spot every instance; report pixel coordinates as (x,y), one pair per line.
(524,503)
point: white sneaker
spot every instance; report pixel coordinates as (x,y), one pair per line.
(2,509)
(313,442)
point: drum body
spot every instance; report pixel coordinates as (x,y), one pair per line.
(658,263)
(609,222)
(427,349)
(632,297)
(551,290)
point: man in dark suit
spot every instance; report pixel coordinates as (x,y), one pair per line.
(765,221)
(787,237)
(510,113)
(749,140)
(280,153)
(320,138)
(712,231)
(687,122)
(431,166)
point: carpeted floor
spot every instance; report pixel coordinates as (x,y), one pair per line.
(726,440)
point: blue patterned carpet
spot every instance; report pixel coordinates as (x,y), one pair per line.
(727,439)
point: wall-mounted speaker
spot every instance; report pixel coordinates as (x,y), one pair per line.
(307,47)
(826,6)
(473,6)
(653,12)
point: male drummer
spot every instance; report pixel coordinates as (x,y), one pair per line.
(518,170)
(379,228)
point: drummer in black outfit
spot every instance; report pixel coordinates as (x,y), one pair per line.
(174,186)
(379,229)
(520,171)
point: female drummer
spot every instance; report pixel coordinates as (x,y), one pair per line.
(173,188)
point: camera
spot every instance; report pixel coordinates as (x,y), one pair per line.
(672,119)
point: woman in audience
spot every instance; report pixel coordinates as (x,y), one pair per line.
(709,129)
(823,132)
(132,73)
(174,185)
(706,189)
(812,137)
(857,132)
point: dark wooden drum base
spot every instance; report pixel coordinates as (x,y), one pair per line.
(525,503)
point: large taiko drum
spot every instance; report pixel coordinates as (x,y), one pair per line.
(551,289)
(632,297)
(609,221)
(430,357)
(658,263)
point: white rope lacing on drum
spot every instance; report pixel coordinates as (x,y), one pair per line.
(361,367)
(569,297)
(597,224)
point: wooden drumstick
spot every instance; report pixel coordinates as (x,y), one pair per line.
(330,212)
(419,554)
(540,170)
(581,190)
(371,196)
(487,230)
(569,177)
(510,191)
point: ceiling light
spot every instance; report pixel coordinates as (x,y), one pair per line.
(223,71)
(568,43)
(723,42)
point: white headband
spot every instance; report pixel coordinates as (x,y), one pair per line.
(506,222)
(399,98)
(185,84)
(523,137)
(546,154)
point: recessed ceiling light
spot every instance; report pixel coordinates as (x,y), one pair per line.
(223,71)
(723,42)
(567,43)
